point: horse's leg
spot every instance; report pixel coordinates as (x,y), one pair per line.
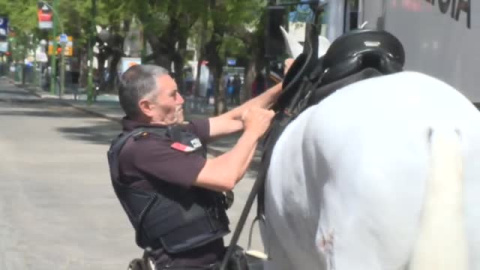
(292,204)
(278,255)
(286,244)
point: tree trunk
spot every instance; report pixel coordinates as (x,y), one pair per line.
(250,73)
(178,61)
(160,53)
(163,60)
(201,55)
(199,73)
(111,83)
(116,56)
(178,73)
(212,50)
(102,57)
(216,68)
(163,46)
(220,98)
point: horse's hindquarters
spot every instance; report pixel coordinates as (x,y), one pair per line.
(347,178)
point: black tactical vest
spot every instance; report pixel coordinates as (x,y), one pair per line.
(174,218)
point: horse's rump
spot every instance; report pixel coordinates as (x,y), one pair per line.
(347,178)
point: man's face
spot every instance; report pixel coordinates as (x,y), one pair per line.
(166,104)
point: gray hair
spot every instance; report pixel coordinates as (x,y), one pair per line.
(138,82)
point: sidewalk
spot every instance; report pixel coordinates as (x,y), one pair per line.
(107,106)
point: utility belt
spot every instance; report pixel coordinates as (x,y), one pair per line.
(198,233)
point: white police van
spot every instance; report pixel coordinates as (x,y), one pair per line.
(441,37)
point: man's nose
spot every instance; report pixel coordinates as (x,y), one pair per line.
(181,100)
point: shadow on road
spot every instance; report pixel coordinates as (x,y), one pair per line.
(38,108)
(78,125)
(99,133)
(41,113)
(14,93)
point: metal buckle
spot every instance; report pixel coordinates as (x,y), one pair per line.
(257,253)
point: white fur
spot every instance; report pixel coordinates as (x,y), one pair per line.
(346,188)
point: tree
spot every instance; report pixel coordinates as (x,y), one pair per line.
(22,18)
(22,14)
(233,22)
(115,17)
(169,24)
(167,27)
(228,28)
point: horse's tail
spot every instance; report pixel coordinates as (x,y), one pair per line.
(441,242)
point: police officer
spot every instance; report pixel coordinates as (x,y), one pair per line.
(173,194)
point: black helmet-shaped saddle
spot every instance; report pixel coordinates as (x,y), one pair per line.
(349,54)
(362,49)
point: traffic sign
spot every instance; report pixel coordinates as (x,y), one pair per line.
(63,38)
(68,47)
(231,61)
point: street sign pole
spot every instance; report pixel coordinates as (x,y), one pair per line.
(35,69)
(62,70)
(63,42)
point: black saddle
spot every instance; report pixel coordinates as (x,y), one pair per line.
(362,49)
(311,79)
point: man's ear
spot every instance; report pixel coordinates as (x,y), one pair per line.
(146,107)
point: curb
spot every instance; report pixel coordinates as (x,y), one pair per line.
(97,114)
(64,102)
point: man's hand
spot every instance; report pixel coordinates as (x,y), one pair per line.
(235,119)
(288,63)
(223,172)
(257,120)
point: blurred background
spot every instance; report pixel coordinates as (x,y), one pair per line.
(220,52)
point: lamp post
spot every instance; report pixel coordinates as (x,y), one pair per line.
(62,70)
(53,62)
(53,58)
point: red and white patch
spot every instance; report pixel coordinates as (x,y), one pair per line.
(182,147)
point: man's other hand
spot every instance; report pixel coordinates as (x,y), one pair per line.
(257,120)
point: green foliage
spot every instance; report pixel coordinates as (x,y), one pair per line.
(243,20)
(22,14)
(240,19)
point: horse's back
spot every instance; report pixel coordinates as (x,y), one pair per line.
(347,178)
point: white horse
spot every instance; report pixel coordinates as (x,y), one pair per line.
(384,174)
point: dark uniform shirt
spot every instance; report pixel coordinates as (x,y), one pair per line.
(151,160)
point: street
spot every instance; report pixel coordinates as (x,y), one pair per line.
(57,207)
